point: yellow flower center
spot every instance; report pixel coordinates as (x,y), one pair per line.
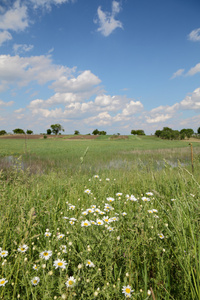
(85,224)
(34,281)
(60,264)
(89,262)
(45,253)
(128,290)
(22,249)
(99,222)
(70,282)
(106,220)
(3,253)
(2,281)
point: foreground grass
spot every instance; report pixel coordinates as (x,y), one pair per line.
(151,244)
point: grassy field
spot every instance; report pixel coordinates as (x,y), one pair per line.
(99,219)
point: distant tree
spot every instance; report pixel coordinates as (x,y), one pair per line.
(56,128)
(29,131)
(188,132)
(95,132)
(76,132)
(2,132)
(102,132)
(198,130)
(18,130)
(140,132)
(134,132)
(158,133)
(49,131)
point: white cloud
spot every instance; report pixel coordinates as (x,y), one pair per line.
(5,36)
(48,3)
(107,22)
(194,35)
(132,107)
(158,118)
(191,102)
(2,103)
(15,19)
(20,48)
(194,70)
(178,73)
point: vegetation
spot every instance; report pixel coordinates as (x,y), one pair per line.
(49,131)
(56,128)
(29,131)
(170,134)
(76,132)
(3,132)
(138,132)
(97,132)
(18,131)
(55,198)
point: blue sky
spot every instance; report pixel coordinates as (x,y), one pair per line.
(87,64)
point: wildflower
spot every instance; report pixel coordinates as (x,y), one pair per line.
(113,219)
(149,194)
(35,267)
(173,199)
(71,222)
(110,228)
(47,234)
(102,213)
(155,210)
(85,223)
(84,213)
(132,198)
(161,236)
(127,291)
(99,222)
(118,238)
(107,179)
(63,248)
(90,264)
(119,194)
(155,216)
(106,219)
(145,199)
(87,191)
(60,263)
(150,211)
(110,199)
(70,282)
(149,293)
(72,207)
(80,266)
(23,248)
(124,214)
(93,222)
(3,253)
(93,206)
(60,236)
(35,280)
(46,254)
(96,176)
(3,281)
(90,210)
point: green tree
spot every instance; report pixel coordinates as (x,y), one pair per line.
(188,132)
(2,132)
(140,132)
(134,132)
(76,132)
(198,130)
(49,131)
(95,132)
(158,133)
(56,128)
(102,132)
(18,130)
(29,131)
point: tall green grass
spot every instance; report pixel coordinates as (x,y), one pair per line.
(132,254)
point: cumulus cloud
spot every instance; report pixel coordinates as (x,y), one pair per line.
(106,20)
(5,36)
(158,118)
(194,35)
(20,48)
(177,73)
(192,101)
(194,70)
(48,3)
(15,19)
(2,103)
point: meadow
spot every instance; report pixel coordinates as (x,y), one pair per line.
(99,219)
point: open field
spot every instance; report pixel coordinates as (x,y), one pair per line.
(99,219)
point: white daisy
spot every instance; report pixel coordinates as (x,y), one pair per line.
(110,228)
(23,248)
(60,236)
(3,253)
(93,222)
(85,213)
(161,236)
(46,254)
(110,199)
(150,211)
(96,176)
(145,199)
(47,234)
(63,248)
(70,282)
(119,194)
(132,198)
(90,264)
(124,214)
(71,222)
(85,223)
(106,219)
(90,210)
(87,191)
(60,263)
(127,291)
(99,222)
(72,207)
(149,194)
(3,281)
(35,267)
(35,280)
